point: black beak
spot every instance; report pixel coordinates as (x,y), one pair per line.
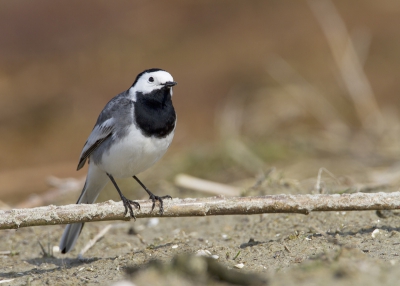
(170,83)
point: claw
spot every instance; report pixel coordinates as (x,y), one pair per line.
(136,204)
(128,206)
(155,198)
(127,203)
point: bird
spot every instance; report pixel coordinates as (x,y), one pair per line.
(132,132)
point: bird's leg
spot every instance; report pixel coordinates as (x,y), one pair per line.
(127,203)
(153,197)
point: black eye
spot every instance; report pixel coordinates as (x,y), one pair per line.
(151,79)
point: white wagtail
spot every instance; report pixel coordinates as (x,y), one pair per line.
(133,131)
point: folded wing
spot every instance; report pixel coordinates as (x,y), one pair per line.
(99,134)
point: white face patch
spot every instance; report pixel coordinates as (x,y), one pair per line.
(149,82)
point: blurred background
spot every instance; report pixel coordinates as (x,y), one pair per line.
(296,85)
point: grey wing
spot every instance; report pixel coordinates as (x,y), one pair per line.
(99,133)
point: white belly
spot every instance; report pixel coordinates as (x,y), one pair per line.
(134,154)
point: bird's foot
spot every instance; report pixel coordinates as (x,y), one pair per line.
(155,198)
(128,206)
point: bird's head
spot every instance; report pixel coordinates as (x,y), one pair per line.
(151,80)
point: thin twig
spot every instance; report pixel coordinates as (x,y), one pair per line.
(348,62)
(61,187)
(110,210)
(186,181)
(94,240)
(5,252)
(6,281)
(318,183)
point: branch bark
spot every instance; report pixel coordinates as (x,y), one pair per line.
(110,210)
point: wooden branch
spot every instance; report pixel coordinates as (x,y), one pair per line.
(110,210)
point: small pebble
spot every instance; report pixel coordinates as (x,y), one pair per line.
(203,252)
(174,246)
(375,233)
(239,266)
(153,222)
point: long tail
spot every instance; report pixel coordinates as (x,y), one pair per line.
(95,182)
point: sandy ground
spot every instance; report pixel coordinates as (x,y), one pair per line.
(345,248)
